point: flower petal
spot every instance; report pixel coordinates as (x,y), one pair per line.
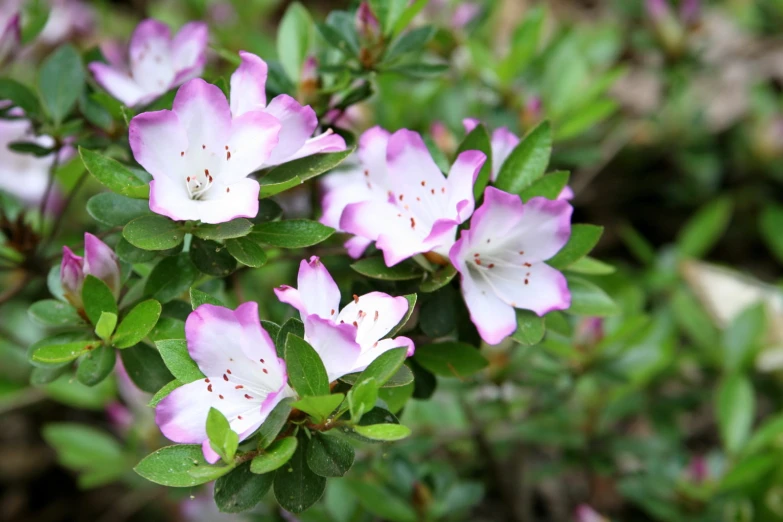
(101,262)
(119,84)
(226,202)
(335,345)
(209,454)
(248,84)
(319,293)
(323,143)
(410,163)
(374,315)
(158,140)
(462,176)
(503,142)
(232,344)
(356,246)
(203,111)
(189,51)
(376,350)
(372,154)
(150,56)
(539,287)
(340,190)
(494,319)
(72,276)
(298,123)
(170,198)
(253,137)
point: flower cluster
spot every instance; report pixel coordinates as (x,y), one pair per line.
(399,199)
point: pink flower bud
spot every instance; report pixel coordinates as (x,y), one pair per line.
(99,261)
(585,513)
(698,471)
(72,277)
(657,9)
(367,24)
(690,12)
(589,331)
(464,14)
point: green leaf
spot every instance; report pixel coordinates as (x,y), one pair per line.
(589,299)
(767,436)
(31,148)
(60,82)
(586,117)
(437,280)
(172,466)
(231,229)
(402,377)
(50,312)
(530,328)
(61,353)
(137,324)
(385,432)
(96,365)
(305,168)
(524,45)
(388,12)
(381,502)
(105,325)
(583,239)
(153,233)
(375,268)
(411,42)
(272,185)
(177,359)
(145,368)
(277,418)
(114,175)
(222,438)
(167,328)
(246,252)
(97,298)
(450,359)
(275,456)
(385,366)
(294,326)
(198,298)
(770,225)
(411,298)
(694,321)
(362,398)
(296,486)
(306,371)
(438,314)
(748,472)
(291,233)
(96,455)
(705,228)
(735,409)
(743,337)
(116,210)
(241,490)
(319,406)
(336,39)
(478,139)
(20,95)
(171,278)
(211,258)
(549,186)
(131,254)
(293,39)
(588,265)
(528,161)
(44,375)
(329,456)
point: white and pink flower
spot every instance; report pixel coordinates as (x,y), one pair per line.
(501,260)
(99,261)
(201,152)
(404,203)
(244,380)
(347,339)
(156,62)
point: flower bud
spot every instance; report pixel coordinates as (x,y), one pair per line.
(585,513)
(464,14)
(367,25)
(99,261)
(308,81)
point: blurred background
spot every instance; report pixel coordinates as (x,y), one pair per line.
(669,116)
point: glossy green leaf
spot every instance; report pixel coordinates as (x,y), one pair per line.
(231,229)
(96,365)
(450,359)
(198,298)
(735,408)
(105,325)
(173,466)
(247,252)
(116,210)
(743,337)
(411,298)
(114,175)
(329,456)
(222,438)
(384,432)
(296,487)
(293,39)
(145,368)
(20,95)
(211,258)
(153,233)
(319,406)
(171,278)
(50,312)
(277,418)
(275,456)
(62,352)
(527,162)
(589,299)
(177,359)
(291,233)
(60,82)
(241,490)
(306,371)
(97,298)
(375,267)
(530,328)
(362,397)
(137,324)
(705,228)
(548,186)
(583,239)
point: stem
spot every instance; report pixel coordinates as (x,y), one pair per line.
(50,183)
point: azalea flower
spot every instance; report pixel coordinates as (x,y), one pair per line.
(347,340)
(24,175)
(244,380)
(200,156)
(585,513)
(67,18)
(99,261)
(248,93)
(421,208)
(10,34)
(501,260)
(156,62)
(503,142)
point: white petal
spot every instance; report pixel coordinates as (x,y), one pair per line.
(374,314)
(318,291)
(335,345)
(248,84)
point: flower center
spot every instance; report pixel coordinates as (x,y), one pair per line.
(199,184)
